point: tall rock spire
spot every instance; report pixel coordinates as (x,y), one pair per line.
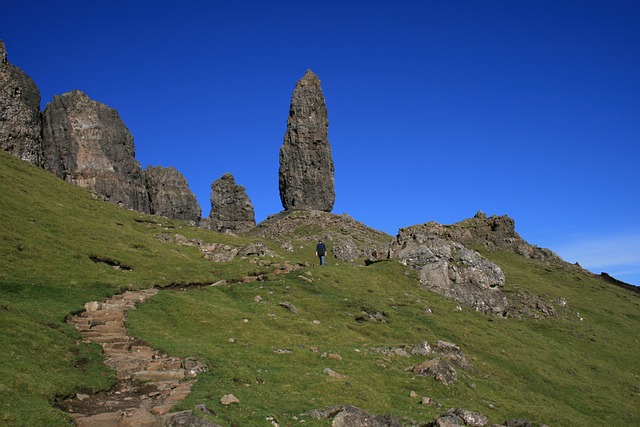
(306,167)
(20,121)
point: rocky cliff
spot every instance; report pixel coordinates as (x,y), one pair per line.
(306,179)
(86,143)
(450,269)
(231,208)
(20,122)
(494,232)
(169,194)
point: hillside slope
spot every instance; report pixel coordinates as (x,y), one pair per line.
(62,247)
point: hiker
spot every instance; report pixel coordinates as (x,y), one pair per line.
(321,251)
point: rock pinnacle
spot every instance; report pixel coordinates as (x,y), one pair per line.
(306,179)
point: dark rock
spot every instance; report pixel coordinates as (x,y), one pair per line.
(459,417)
(256,249)
(450,269)
(350,416)
(231,208)
(169,194)
(20,119)
(306,178)
(86,143)
(439,369)
(184,419)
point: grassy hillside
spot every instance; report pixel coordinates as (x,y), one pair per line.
(61,247)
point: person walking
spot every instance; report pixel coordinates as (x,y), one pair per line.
(321,251)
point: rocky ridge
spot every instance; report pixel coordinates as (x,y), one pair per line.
(306,178)
(494,232)
(347,239)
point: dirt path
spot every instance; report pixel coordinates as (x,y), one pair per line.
(149,383)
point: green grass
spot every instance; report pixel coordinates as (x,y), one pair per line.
(49,233)
(562,372)
(548,371)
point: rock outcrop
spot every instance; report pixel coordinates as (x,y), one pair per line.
(169,194)
(346,238)
(450,269)
(20,119)
(231,208)
(306,176)
(494,232)
(86,143)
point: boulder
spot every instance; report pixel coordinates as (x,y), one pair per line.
(350,416)
(450,269)
(20,119)
(459,417)
(306,176)
(86,143)
(169,194)
(231,208)
(439,369)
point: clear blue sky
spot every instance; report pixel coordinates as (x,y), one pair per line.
(437,109)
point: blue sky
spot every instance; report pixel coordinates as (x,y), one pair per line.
(437,109)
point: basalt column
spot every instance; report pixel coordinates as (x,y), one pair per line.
(306,167)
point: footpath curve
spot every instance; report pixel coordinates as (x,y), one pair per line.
(149,383)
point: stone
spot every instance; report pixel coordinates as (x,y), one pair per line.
(20,119)
(450,269)
(139,418)
(231,208)
(335,374)
(86,143)
(185,418)
(493,232)
(169,194)
(459,417)
(439,369)
(453,353)
(350,416)
(292,308)
(229,399)
(306,175)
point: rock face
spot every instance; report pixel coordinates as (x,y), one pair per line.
(306,167)
(451,270)
(86,143)
(494,232)
(231,208)
(20,120)
(169,194)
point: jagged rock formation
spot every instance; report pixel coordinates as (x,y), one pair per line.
(494,232)
(169,194)
(86,143)
(20,120)
(450,269)
(306,167)
(231,208)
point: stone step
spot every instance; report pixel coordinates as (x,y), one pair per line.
(153,376)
